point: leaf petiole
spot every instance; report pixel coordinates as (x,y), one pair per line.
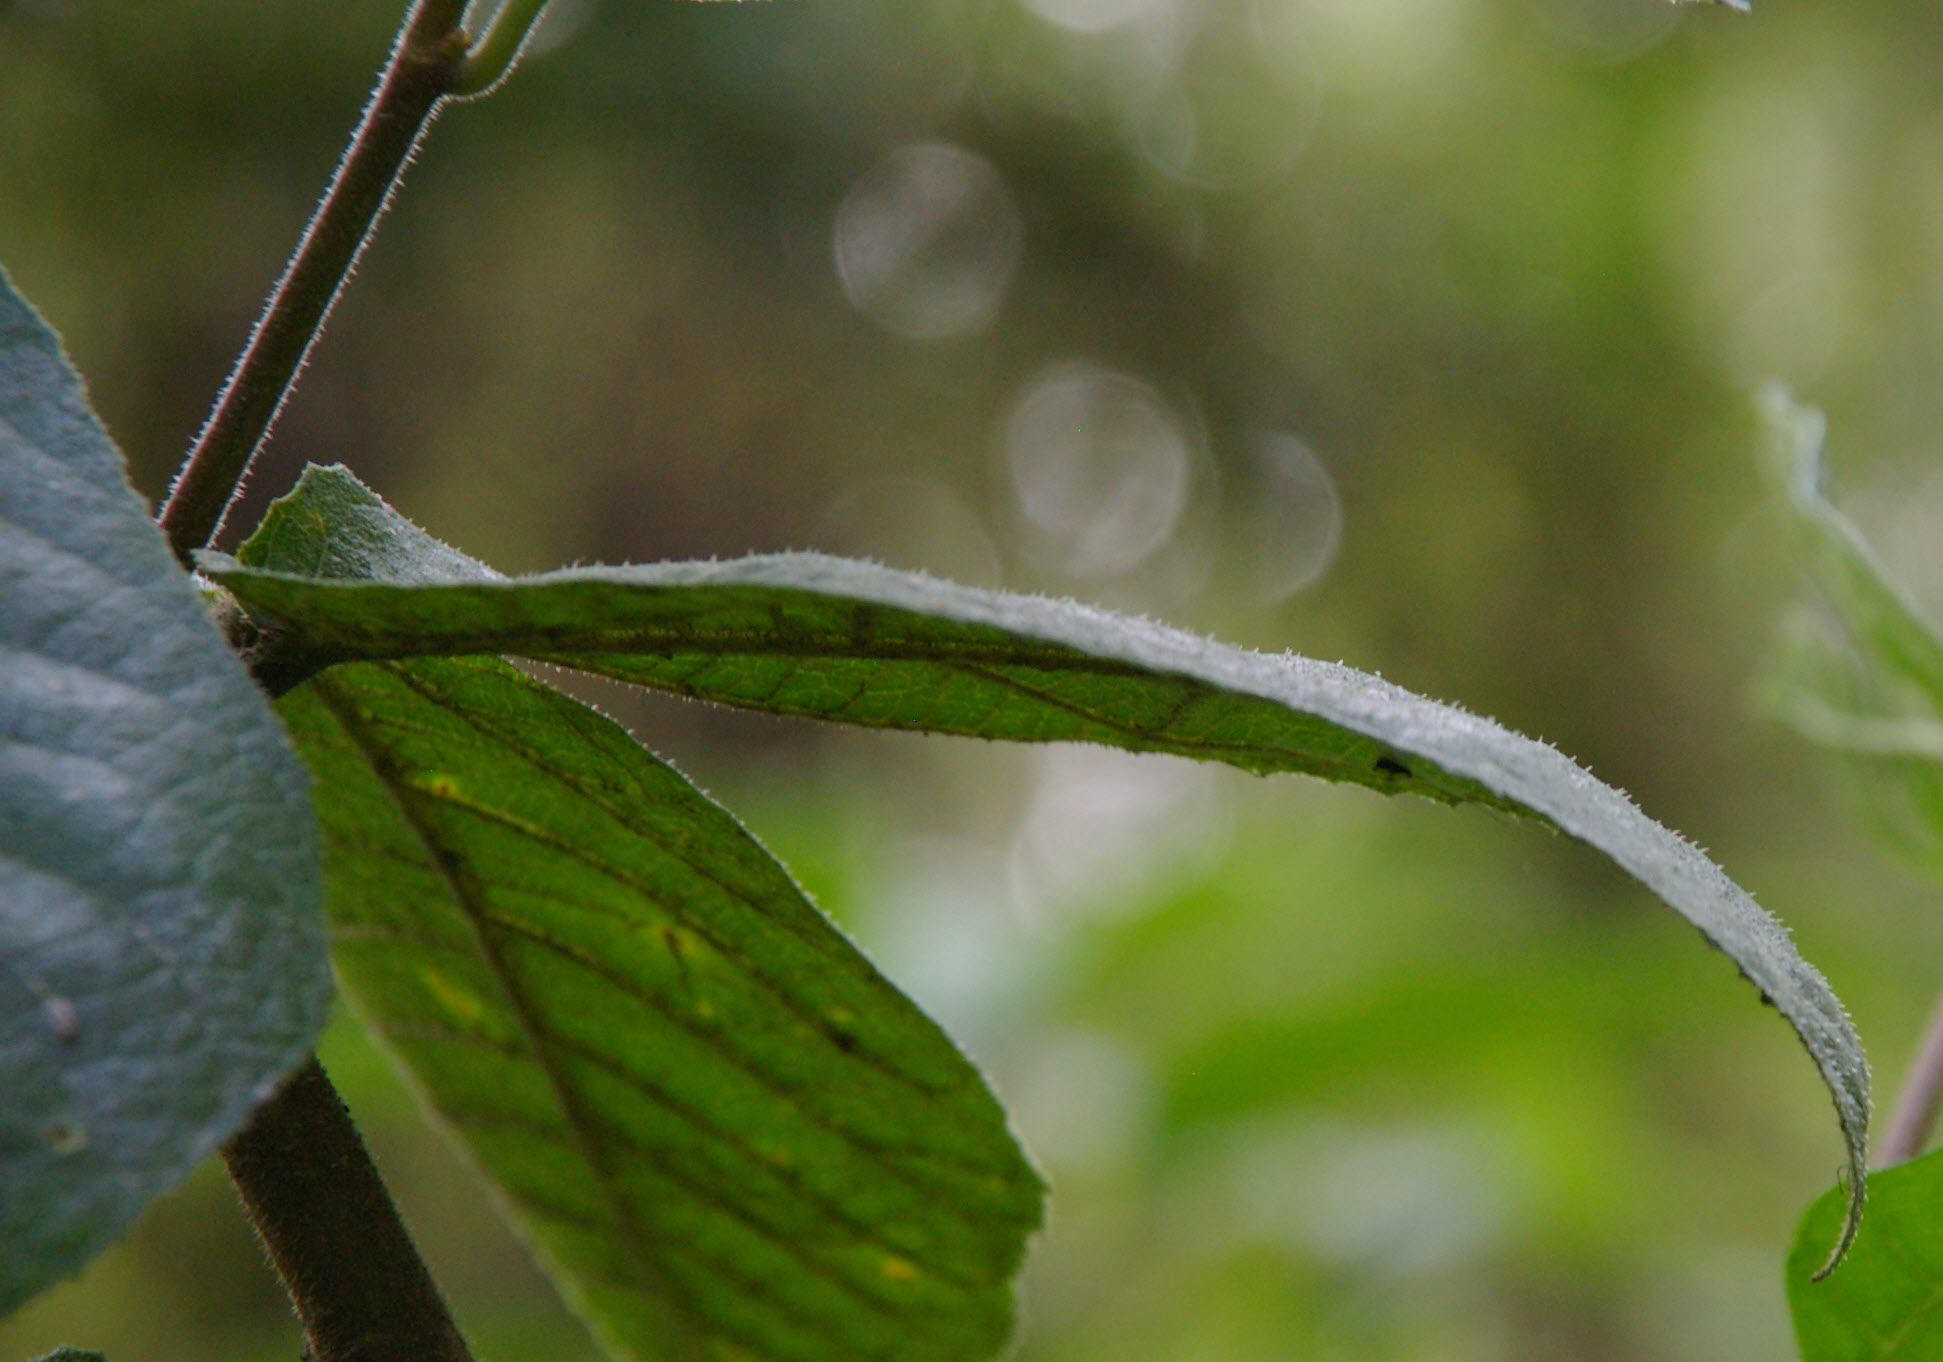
(491,57)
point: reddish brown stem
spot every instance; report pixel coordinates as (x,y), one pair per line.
(427,64)
(359,1286)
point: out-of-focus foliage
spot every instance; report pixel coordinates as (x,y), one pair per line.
(1861,669)
(1415,333)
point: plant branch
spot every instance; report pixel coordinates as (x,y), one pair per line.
(425,66)
(358,1284)
(1916,1105)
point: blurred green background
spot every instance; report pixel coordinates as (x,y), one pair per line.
(1415,333)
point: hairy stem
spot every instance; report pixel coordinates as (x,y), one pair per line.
(1916,1105)
(358,1284)
(426,65)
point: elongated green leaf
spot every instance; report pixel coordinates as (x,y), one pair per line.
(162,960)
(851,642)
(1886,1304)
(729,1136)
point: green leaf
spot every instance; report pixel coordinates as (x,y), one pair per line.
(727,1134)
(851,642)
(162,960)
(1883,1305)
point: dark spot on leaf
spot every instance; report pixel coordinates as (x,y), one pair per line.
(1390,766)
(844,1042)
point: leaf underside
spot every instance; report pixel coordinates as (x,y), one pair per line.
(162,960)
(725,1132)
(1882,1305)
(855,643)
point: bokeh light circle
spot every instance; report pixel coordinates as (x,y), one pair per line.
(927,241)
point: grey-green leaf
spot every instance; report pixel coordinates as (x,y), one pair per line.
(162,960)
(726,1133)
(1882,1305)
(855,643)
(71,1355)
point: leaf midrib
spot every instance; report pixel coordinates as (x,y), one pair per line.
(684,1328)
(601,799)
(540,1038)
(588,858)
(1243,755)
